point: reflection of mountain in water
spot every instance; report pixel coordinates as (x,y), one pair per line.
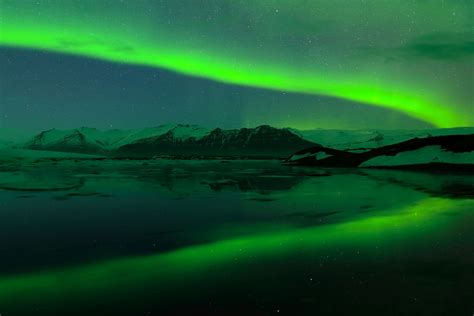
(174,176)
(224,182)
(126,208)
(450,185)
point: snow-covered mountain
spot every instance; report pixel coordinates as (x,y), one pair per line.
(362,140)
(173,140)
(92,140)
(66,141)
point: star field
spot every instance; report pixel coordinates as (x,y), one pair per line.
(410,59)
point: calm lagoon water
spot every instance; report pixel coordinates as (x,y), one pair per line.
(159,237)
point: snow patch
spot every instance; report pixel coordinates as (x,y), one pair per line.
(184,132)
(317,156)
(425,155)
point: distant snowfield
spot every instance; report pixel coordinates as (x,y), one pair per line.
(425,155)
(368,139)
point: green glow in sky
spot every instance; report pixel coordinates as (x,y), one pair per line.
(414,57)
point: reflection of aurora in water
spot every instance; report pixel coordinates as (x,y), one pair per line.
(128,276)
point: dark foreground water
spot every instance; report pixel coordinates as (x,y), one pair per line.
(106,237)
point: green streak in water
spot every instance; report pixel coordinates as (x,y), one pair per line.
(108,279)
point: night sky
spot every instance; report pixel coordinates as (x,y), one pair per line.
(232,63)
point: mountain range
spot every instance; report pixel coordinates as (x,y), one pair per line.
(182,140)
(309,148)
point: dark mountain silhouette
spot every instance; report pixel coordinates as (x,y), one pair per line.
(435,151)
(262,141)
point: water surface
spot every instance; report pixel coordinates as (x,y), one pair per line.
(98,237)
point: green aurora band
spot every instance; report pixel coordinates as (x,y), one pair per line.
(113,277)
(251,46)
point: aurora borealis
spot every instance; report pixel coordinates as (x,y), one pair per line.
(326,59)
(236,157)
